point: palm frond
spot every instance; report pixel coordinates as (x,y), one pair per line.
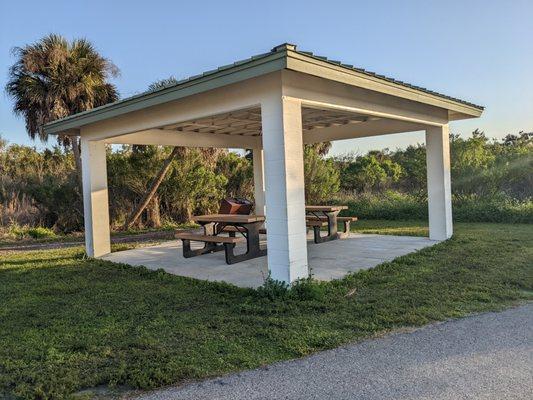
(53,78)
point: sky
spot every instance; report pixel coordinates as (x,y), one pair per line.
(479,51)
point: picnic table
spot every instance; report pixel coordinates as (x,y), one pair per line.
(319,216)
(246,228)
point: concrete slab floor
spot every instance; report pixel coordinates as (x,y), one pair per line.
(327,261)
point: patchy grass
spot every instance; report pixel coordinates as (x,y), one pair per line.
(17,234)
(68,323)
(384,227)
(25,235)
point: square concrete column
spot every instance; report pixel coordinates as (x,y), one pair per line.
(95,198)
(439,183)
(284,183)
(259,181)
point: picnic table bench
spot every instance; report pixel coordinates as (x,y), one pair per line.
(318,217)
(233,229)
(247,227)
(344,220)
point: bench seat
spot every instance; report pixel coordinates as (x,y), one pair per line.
(217,243)
(209,238)
(345,221)
(316,222)
(233,229)
(339,219)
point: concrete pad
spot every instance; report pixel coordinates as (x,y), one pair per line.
(327,261)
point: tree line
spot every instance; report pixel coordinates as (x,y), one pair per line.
(479,166)
(40,187)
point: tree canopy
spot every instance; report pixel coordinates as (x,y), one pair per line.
(53,78)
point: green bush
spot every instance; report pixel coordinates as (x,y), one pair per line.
(308,289)
(273,289)
(392,205)
(16,231)
(496,209)
(388,205)
(303,289)
(321,176)
(41,233)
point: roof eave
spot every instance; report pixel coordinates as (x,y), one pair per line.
(325,69)
(226,76)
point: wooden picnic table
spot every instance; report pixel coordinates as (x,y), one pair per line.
(331,213)
(247,226)
(325,209)
(229,218)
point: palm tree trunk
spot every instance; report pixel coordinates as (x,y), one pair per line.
(153,188)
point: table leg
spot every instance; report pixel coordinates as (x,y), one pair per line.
(332,228)
(209,229)
(208,248)
(332,223)
(253,248)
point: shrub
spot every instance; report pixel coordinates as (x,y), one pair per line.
(307,289)
(40,233)
(15,231)
(389,205)
(302,289)
(273,289)
(321,176)
(59,202)
(494,209)
(392,205)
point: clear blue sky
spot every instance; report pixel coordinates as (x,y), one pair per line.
(481,51)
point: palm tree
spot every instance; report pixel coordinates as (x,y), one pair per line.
(53,78)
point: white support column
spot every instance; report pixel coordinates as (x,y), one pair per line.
(284,179)
(259,181)
(95,198)
(439,182)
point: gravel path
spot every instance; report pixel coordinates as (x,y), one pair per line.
(487,356)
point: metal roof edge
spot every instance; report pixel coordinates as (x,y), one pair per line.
(381,78)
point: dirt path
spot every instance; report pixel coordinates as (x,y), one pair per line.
(141,237)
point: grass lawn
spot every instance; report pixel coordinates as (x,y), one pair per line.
(385,227)
(68,323)
(8,238)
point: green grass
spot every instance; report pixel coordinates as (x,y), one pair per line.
(384,227)
(68,323)
(16,235)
